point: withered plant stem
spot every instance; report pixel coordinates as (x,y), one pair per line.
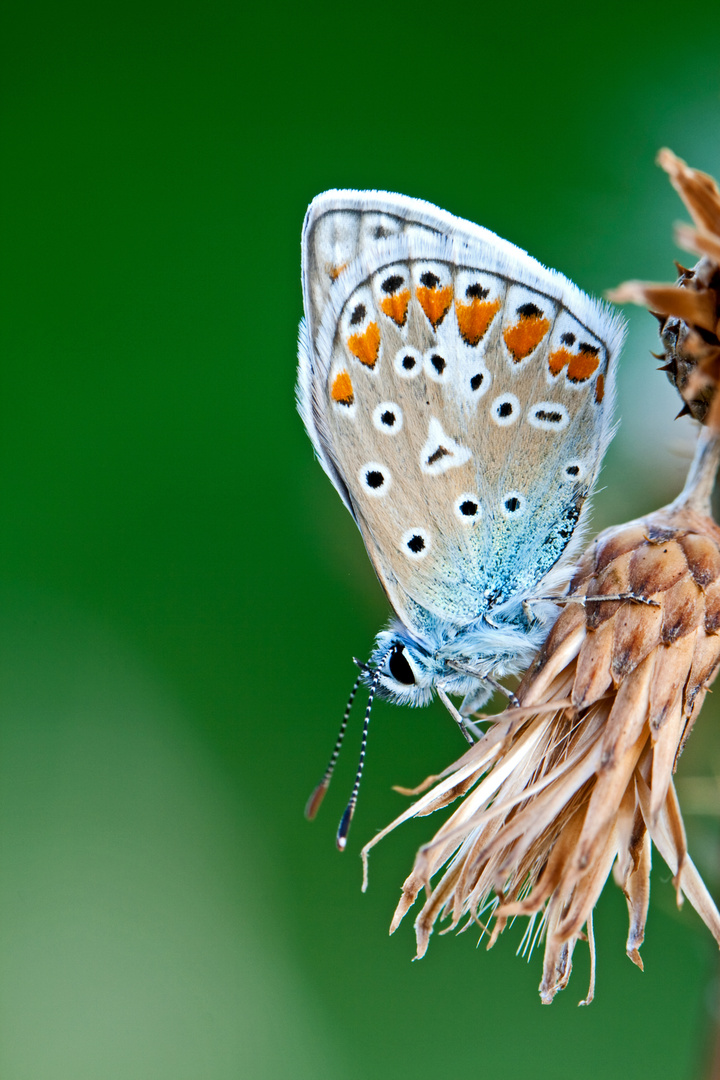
(701,475)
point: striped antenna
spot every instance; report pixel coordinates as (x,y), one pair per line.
(313,803)
(345,820)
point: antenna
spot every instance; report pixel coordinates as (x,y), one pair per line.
(344,827)
(313,803)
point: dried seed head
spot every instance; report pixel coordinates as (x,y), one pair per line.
(578,780)
(689,310)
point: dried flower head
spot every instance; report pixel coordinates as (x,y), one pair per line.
(578,780)
(689,310)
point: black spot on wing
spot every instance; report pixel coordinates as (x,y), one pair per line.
(391,284)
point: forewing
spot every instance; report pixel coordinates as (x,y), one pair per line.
(459,396)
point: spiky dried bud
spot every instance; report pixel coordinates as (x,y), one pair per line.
(689,310)
(578,780)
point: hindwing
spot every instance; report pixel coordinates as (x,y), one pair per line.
(458,394)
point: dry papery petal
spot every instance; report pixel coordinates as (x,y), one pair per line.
(577,781)
(689,310)
(697,190)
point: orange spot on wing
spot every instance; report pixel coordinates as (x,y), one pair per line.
(600,388)
(580,365)
(435,302)
(474,318)
(335,271)
(342,389)
(526,335)
(396,307)
(559,359)
(366,347)
(583,365)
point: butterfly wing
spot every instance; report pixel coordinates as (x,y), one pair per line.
(457,393)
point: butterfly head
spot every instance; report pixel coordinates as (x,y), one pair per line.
(403,671)
(407,673)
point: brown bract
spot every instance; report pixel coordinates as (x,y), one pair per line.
(578,780)
(689,310)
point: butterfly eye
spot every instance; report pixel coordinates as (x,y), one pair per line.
(400,667)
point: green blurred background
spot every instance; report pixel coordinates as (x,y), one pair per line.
(181,591)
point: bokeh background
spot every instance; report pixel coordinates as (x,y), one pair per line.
(181,591)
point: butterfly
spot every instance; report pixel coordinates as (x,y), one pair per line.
(459,396)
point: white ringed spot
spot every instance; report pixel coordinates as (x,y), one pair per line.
(505,410)
(573,471)
(408,363)
(375,479)
(388,417)
(467,508)
(436,365)
(548,416)
(415,543)
(479,383)
(512,504)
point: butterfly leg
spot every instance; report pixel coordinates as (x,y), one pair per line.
(499,688)
(585,600)
(465,725)
(488,679)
